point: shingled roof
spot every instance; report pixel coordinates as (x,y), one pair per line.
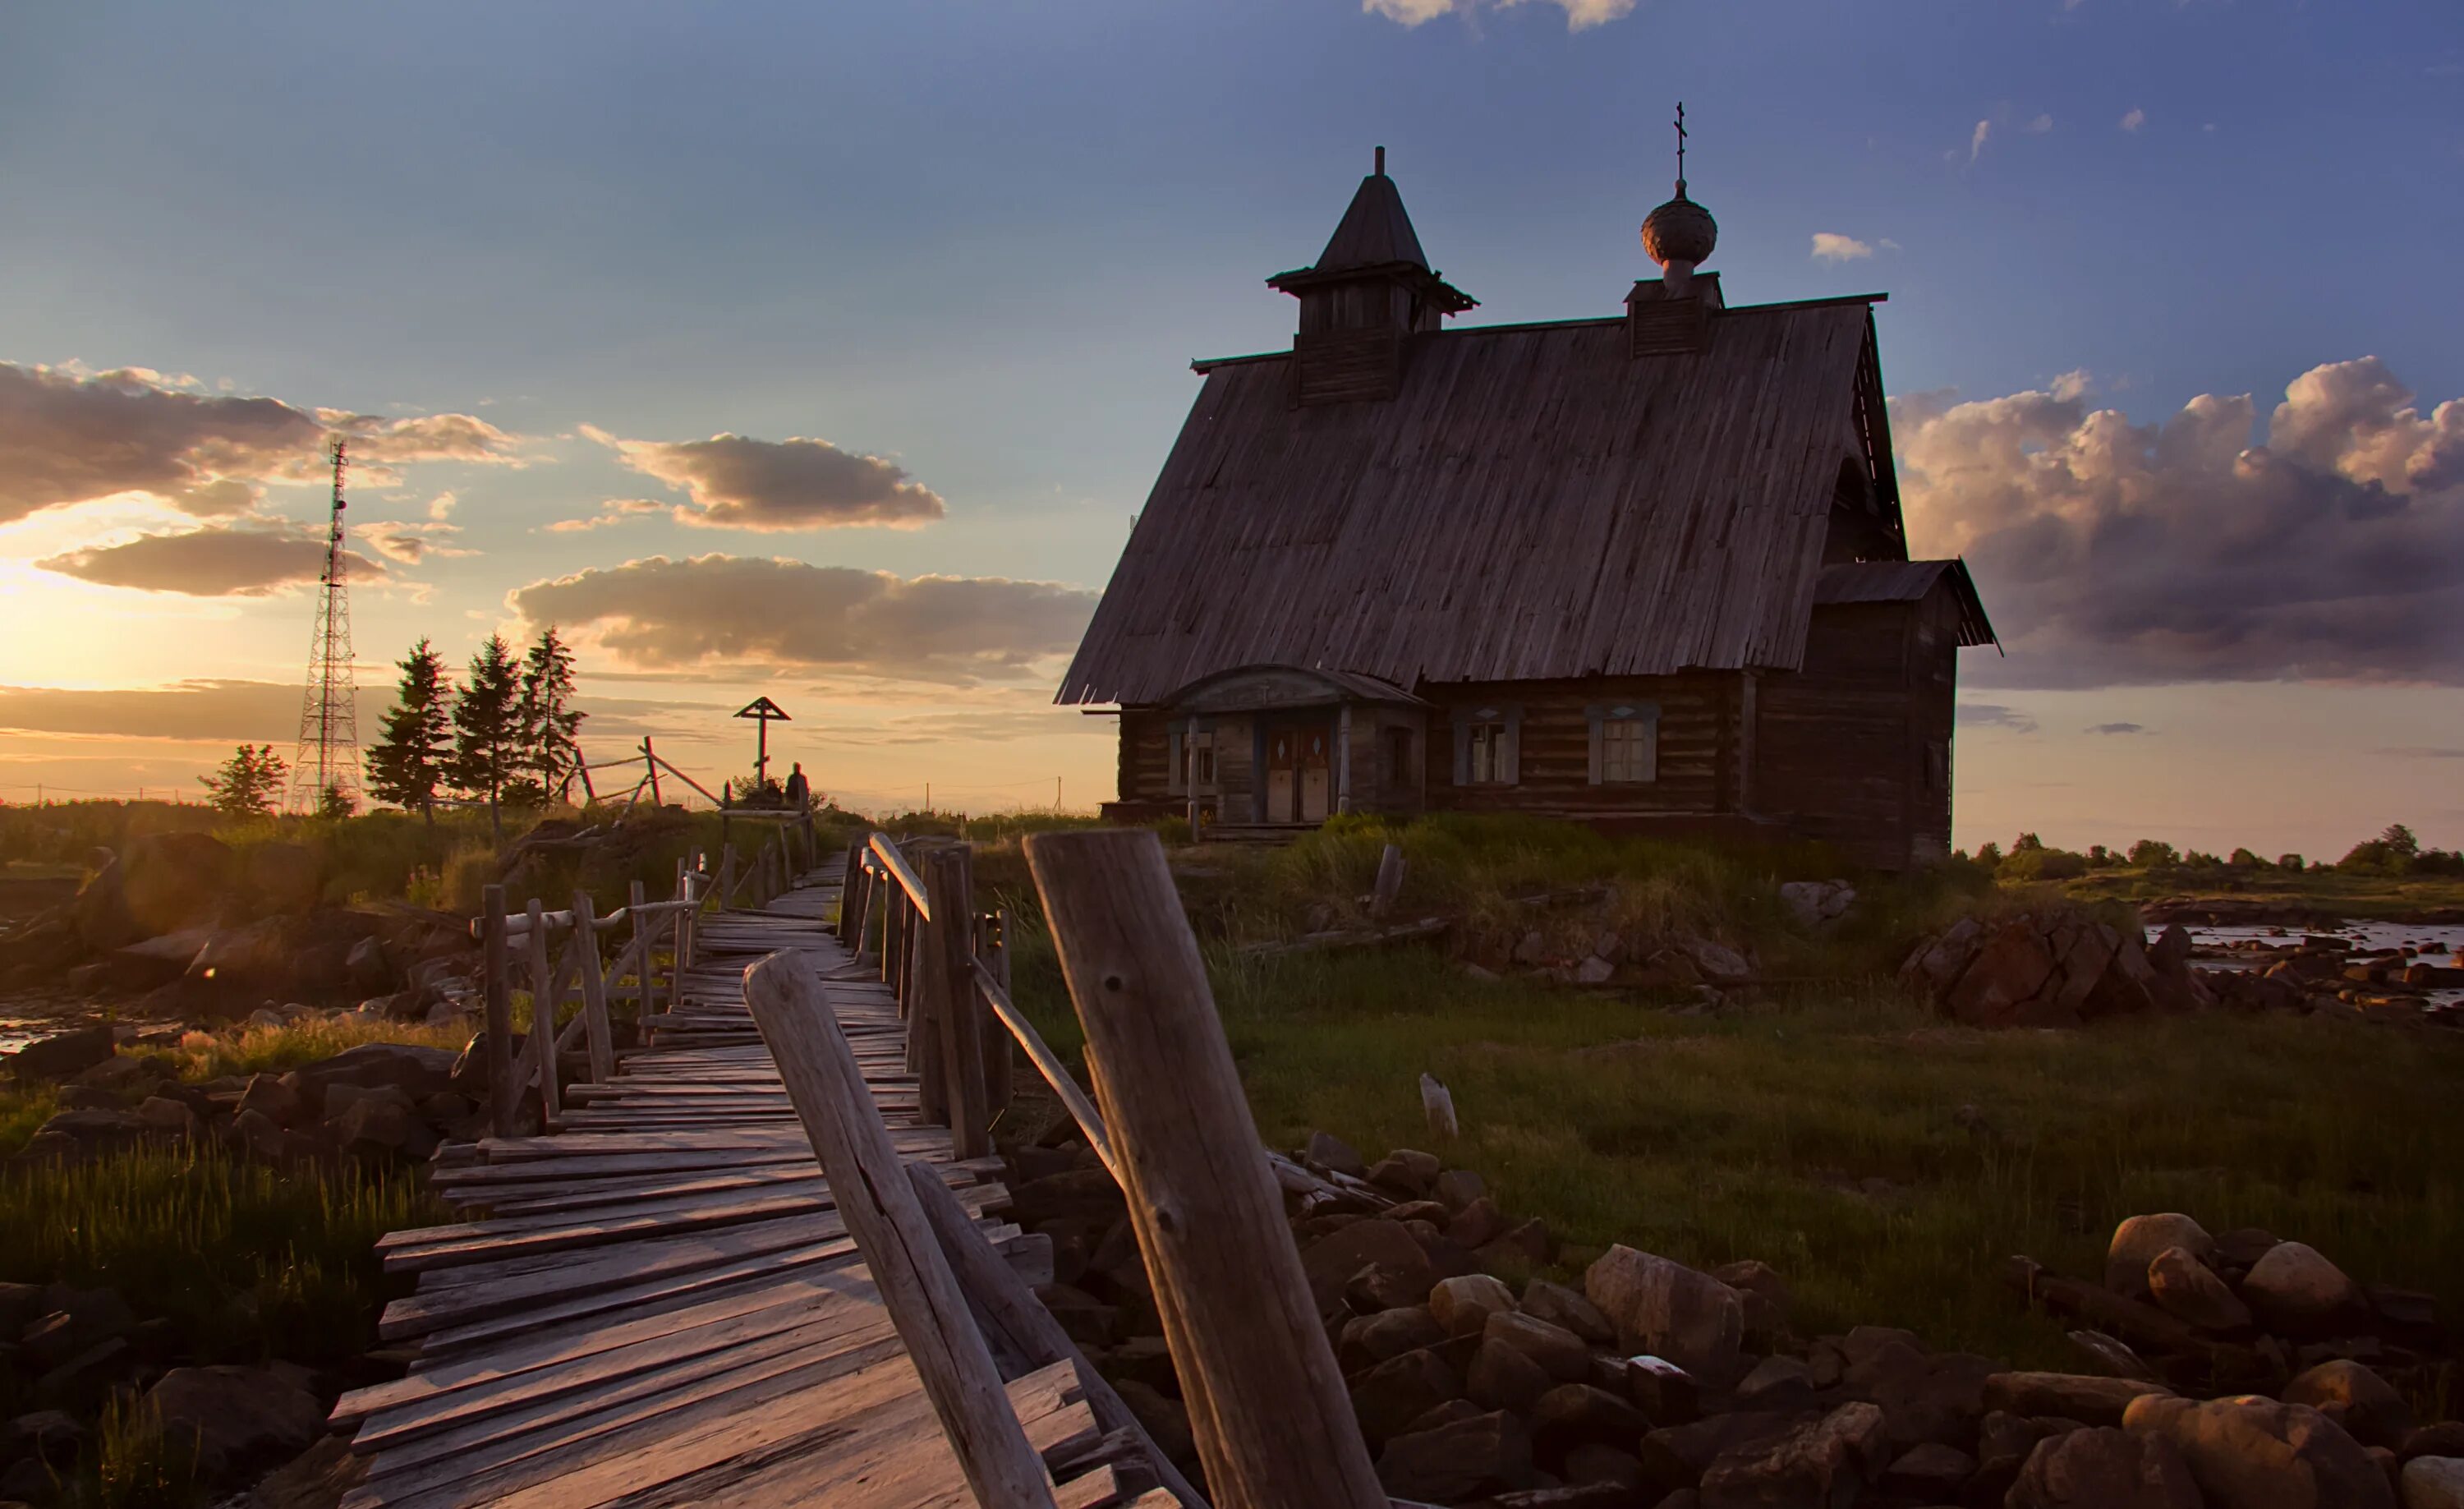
(1535,501)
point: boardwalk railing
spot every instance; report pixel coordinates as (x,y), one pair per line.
(519,951)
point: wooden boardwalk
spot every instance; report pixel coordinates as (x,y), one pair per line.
(658,1302)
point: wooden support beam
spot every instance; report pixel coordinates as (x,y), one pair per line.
(544,998)
(495,972)
(999,1063)
(949,982)
(1056,1074)
(594,992)
(1006,1309)
(1266,1402)
(644,941)
(879,1205)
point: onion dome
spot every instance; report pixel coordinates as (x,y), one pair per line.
(1679,230)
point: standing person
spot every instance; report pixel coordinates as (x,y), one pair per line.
(800,792)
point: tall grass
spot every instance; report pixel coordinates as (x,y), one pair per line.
(249,1260)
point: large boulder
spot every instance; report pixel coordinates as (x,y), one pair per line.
(417,1071)
(2104,1468)
(2433,1482)
(61,1054)
(2050,968)
(1330,1261)
(1823,1462)
(2295,1289)
(1398,1391)
(2083,1397)
(241,1419)
(2370,1410)
(2189,1290)
(1560,1353)
(1463,1304)
(2251,1452)
(2137,1242)
(173,880)
(1669,1310)
(1462,1460)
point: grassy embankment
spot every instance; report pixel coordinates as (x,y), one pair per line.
(2329,890)
(1884,1161)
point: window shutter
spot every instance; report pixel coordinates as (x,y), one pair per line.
(1177,773)
(1463,749)
(1512,763)
(1595,716)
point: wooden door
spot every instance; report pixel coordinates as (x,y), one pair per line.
(1283,758)
(1316,779)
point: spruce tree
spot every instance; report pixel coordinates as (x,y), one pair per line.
(549,726)
(412,760)
(248,782)
(487,728)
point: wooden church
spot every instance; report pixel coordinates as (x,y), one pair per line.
(1645,571)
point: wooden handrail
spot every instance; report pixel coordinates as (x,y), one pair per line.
(1090,1122)
(871,1188)
(896,864)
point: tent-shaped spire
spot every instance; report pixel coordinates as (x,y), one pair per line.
(1375,237)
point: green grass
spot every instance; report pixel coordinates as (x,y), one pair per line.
(1754,1133)
(248,1261)
(2344,893)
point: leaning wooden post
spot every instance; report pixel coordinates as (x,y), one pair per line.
(600,1031)
(543,993)
(646,994)
(950,984)
(496,979)
(1266,1402)
(879,1207)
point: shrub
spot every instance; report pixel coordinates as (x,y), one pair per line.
(2293,862)
(2150,853)
(2043,864)
(2244,860)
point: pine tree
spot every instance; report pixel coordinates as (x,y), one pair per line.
(412,760)
(549,726)
(248,782)
(487,748)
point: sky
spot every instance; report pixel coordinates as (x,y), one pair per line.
(829,352)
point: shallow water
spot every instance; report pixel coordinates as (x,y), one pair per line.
(2441,945)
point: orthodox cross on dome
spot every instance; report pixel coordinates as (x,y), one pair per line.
(1680,149)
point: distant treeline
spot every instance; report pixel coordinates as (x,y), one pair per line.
(2395,851)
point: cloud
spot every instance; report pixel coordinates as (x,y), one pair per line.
(441,506)
(411,543)
(614,511)
(2111,553)
(1993,715)
(2134,118)
(1830,246)
(2040,125)
(69,437)
(1582,15)
(2421,752)
(778,613)
(736,482)
(2115,728)
(258,711)
(2071,385)
(213,561)
(1977,139)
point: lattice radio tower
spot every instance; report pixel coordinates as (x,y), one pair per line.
(328,758)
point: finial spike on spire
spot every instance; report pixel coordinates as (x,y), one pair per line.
(1381,162)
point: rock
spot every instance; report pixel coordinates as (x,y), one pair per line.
(1458,1187)
(1088,1320)
(2113,1355)
(2243,1246)
(2433,1482)
(2446,1438)
(1368,1340)
(1391,1395)
(91,1130)
(1776,1383)
(2138,1241)
(1450,1412)
(1929,1474)
(2072,1396)
(1374,1289)
(168,1117)
(378,1123)
(2104,1468)
(77,1384)
(1476,1225)
(1596,1463)
(1593,970)
(61,1054)
(1166,1419)
(1560,1353)
(20,1305)
(1719,963)
(2296,1290)
(256,1132)
(50,1436)
(280,878)
(1330,1261)
(1666,1395)
(1464,1306)
(1406,1172)
(2171,953)
(408,1066)
(1525,1247)
(2250,1453)
(1572,1416)
(1822,1462)
(244,1418)
(319,1478)
(271,1097)
(2356,1398)
(1486,1453)
(1670,1310)
(1763,1292)
(173,880)
(1675,1458)
(2188,1289)
(1559,1305)
(1333,1154)
(1503,1378)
